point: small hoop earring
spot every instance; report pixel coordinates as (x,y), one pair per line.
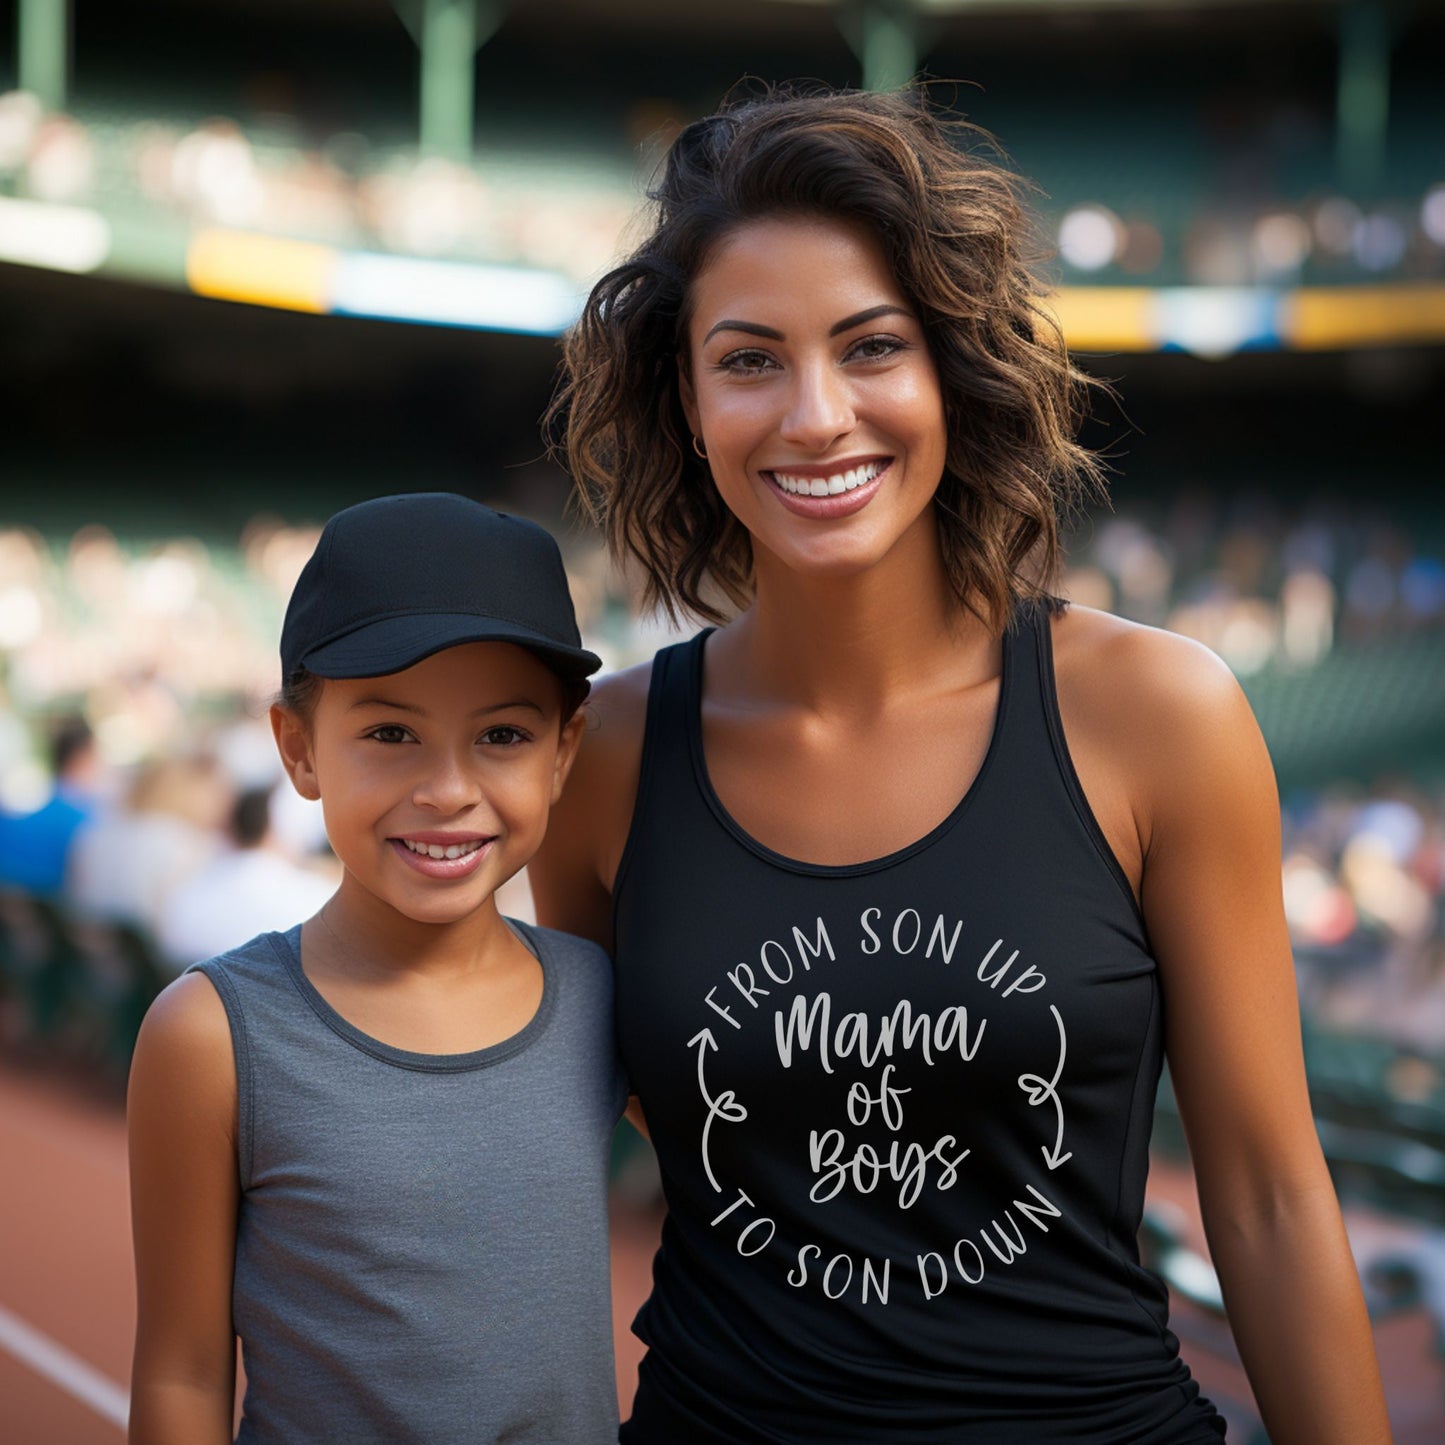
(697,447)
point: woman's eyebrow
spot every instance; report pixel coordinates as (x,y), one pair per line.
(859,318)
(752,328)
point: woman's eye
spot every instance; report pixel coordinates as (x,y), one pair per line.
(389,733)
(876,348)
(504,736)
(746,361)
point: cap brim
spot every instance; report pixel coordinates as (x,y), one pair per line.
(395,643)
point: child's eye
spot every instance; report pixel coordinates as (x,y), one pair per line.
(505,736)
(876,348)
(389,733)
(746,361)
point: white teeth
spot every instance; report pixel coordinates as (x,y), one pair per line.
(833,486)
(437,850)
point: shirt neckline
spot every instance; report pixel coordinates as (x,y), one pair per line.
(694,678)
(287,947)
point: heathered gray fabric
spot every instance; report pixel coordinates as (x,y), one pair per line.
(422,1253)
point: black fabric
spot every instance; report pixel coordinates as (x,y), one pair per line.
(972,1026)
(395,579)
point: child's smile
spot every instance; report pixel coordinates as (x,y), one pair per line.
(437,781)
(444,855)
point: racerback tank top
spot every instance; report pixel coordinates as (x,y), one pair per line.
(901,1109)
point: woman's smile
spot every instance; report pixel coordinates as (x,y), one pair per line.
(812,388)
(834,490)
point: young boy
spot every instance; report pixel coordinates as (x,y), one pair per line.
(375,1147)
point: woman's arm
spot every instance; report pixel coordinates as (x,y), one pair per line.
(1209,830)
(573,871)
(181,1113)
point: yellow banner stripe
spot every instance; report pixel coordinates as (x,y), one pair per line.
(264,270)
(1106,318)
(1319,318)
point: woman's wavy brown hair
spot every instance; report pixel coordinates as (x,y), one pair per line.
(955,232)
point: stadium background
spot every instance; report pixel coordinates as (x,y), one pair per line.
(262,259)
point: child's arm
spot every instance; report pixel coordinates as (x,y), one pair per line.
(184,1195)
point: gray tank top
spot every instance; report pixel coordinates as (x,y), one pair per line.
(422,1251)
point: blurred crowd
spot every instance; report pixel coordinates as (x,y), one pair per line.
(520,204)
(1364,884)
(1262,583)
(139,783)
(551,212)
(1324,237)
(191,853)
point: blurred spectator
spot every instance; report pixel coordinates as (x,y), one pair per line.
(250,888)
(125,864)
(62,160)
(35,846)
(1363,884)
(213,170)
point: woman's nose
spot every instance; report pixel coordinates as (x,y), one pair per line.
(820,407)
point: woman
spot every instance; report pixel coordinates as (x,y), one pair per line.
(914,875)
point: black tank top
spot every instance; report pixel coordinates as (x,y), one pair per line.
(901,1109)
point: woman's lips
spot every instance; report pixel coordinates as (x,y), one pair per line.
(841,500)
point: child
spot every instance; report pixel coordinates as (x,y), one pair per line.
(375,1147)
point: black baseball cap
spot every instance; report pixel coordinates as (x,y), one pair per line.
(396,579)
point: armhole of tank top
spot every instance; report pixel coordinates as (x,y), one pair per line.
(216,974)
(651,744)
(1043,623)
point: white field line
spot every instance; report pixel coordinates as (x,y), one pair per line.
(71,1374)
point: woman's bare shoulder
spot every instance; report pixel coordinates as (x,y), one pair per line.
(572,873)
(1127,676)
(618,701)
(616,712)
(1154,723)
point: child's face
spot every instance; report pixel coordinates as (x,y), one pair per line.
(463,753)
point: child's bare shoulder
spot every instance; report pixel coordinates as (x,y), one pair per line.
(183,1073)
(186,1018)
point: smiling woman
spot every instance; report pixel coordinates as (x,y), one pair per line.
(811,385)
(902,179)
(821,407)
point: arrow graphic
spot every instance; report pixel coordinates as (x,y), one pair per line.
(1039,1089)
(725,1106)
